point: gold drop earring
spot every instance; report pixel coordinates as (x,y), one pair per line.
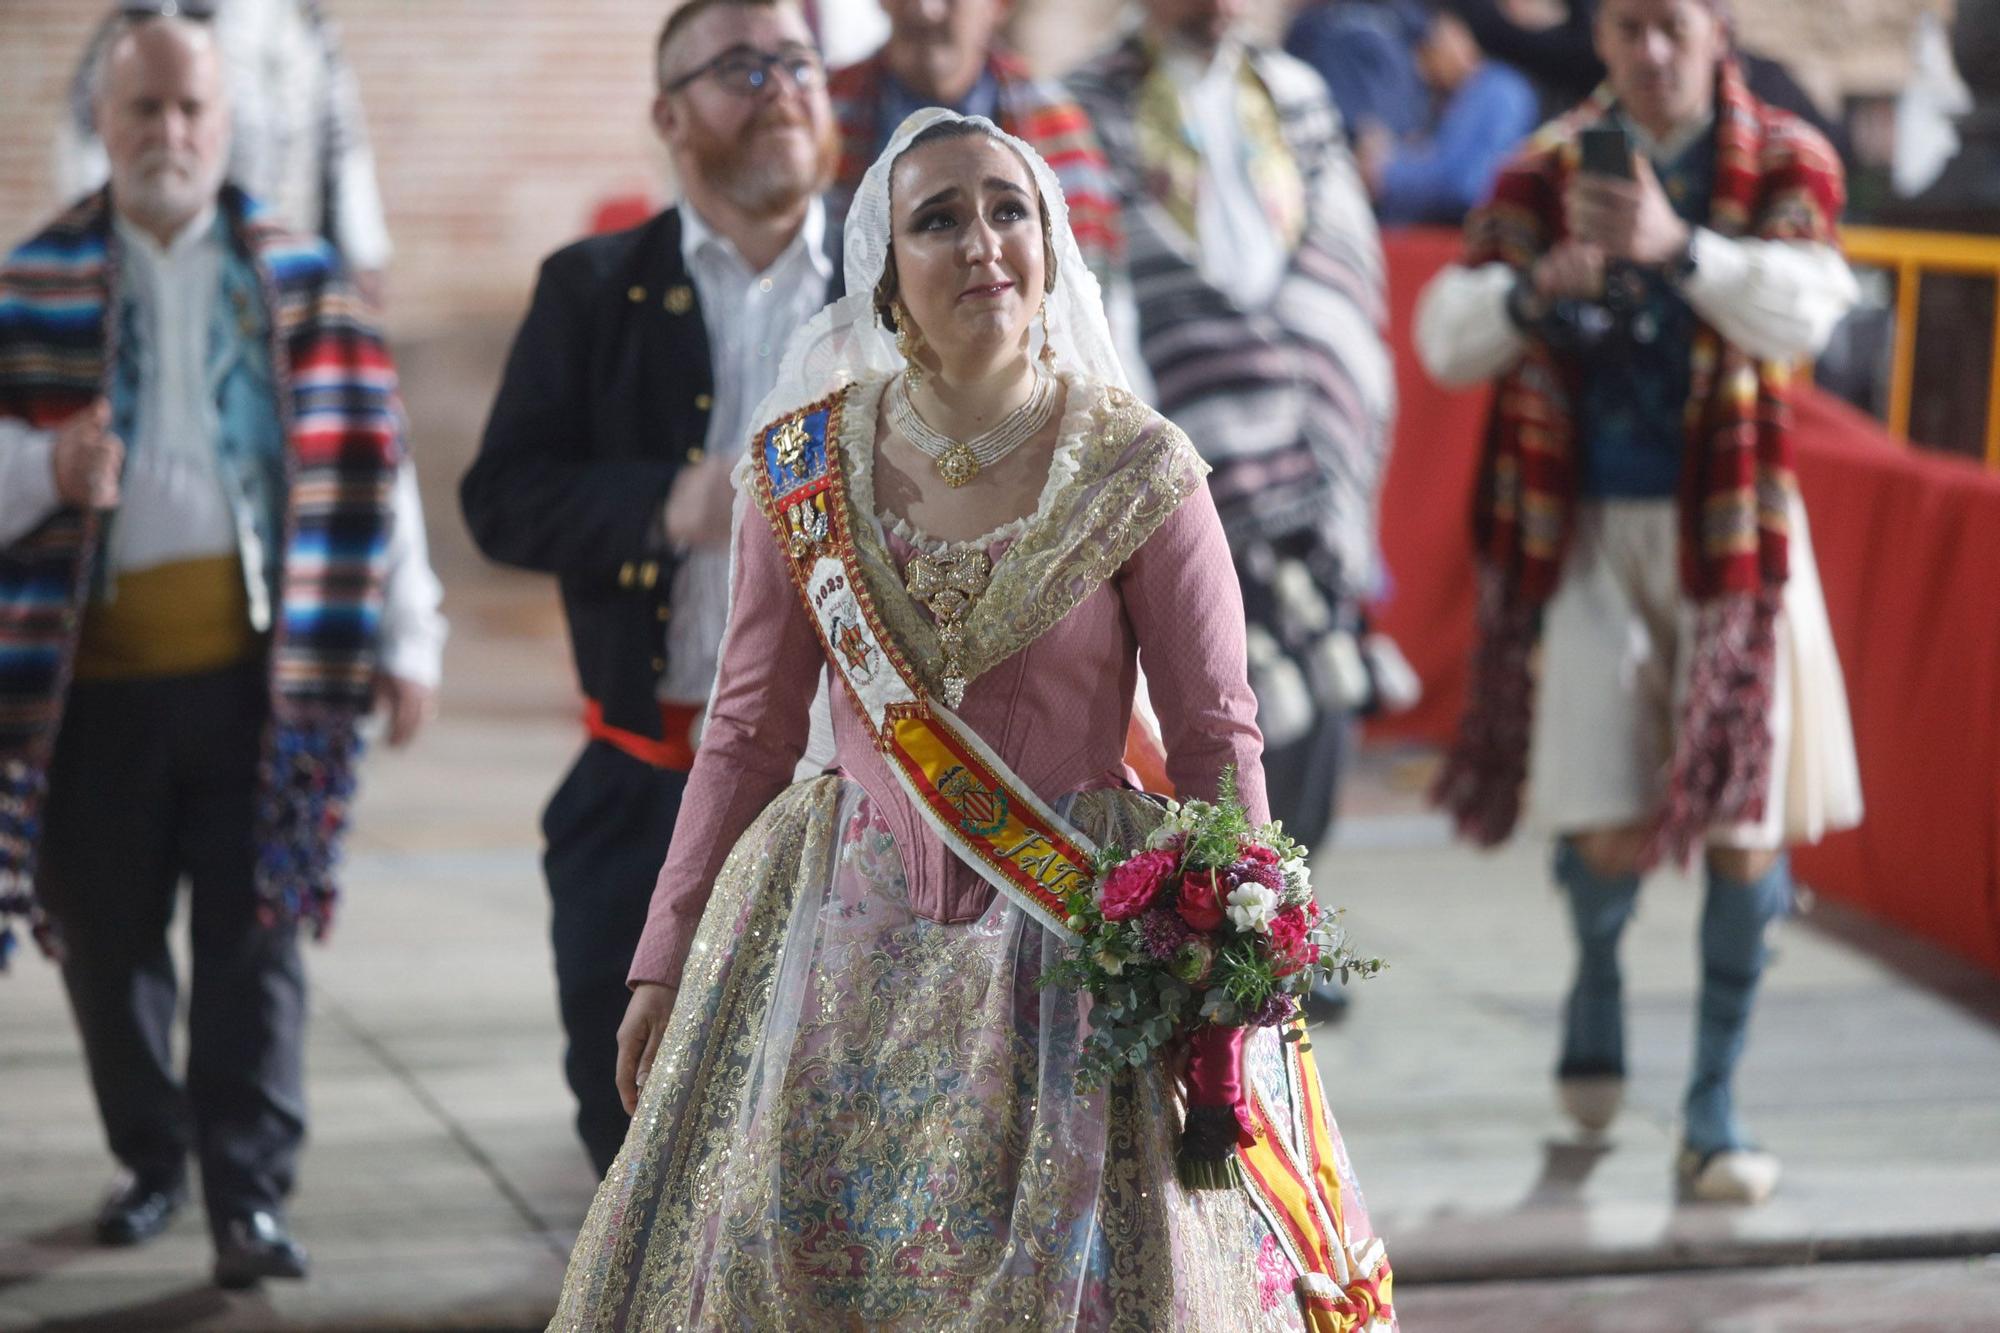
(1048,338)
(906,343)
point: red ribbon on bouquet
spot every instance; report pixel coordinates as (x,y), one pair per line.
(1218,1112)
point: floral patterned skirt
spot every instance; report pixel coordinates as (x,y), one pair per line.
(863,1119)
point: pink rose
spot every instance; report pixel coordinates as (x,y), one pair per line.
(1201,900)
(1291,946)
(1130,888)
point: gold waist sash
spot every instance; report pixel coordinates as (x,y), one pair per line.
(171,620)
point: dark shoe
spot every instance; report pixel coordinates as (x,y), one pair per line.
(255,1246)
(139,1209)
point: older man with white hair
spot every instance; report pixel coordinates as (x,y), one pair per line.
(298,135)
(210,557)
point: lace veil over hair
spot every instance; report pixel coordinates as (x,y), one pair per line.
(847,342)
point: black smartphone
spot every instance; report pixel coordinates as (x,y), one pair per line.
(1607,151)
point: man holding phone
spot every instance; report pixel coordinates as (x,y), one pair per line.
(1643,278)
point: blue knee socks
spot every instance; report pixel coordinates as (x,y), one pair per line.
(1594,1020)
(1734,921)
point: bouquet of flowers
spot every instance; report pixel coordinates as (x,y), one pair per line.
(1208,931)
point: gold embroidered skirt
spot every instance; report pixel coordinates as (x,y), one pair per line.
(864,1119)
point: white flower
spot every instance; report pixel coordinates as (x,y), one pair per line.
(1252,907)
(1298,878)
(1113,963)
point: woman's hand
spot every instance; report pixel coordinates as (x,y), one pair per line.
(639,1038)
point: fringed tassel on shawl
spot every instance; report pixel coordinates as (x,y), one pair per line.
(1480,785)
(1722,757)
(308,786)
(22,787)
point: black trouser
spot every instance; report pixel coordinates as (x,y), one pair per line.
(153,780)
(607,829)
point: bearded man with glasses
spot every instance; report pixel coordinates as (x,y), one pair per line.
(627,398)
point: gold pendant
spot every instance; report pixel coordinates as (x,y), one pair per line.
(949,585)
(957,465)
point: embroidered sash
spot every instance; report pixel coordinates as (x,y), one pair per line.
(970,799)
(1000,828)
(1295,1184)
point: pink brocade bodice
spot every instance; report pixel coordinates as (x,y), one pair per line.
(1056,709)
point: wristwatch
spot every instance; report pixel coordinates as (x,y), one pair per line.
(1681,266)
(1522,303)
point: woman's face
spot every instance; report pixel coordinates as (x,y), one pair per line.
(968,246)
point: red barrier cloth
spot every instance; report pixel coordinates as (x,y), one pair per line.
(1909,550)
(620,212)
(1426,529)
(1908,546)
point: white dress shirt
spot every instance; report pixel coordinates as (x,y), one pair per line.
(172,503)
(748,316)
(1777,300)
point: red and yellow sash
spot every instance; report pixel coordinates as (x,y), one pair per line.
(1000,828)
(965,793)
(1295,1183)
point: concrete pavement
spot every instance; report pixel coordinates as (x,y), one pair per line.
(442,1184)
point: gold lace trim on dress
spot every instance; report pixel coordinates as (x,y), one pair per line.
(1119,472)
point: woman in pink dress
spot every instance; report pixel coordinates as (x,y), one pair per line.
(855,1105)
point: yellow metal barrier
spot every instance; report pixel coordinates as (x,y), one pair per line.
(1910,255)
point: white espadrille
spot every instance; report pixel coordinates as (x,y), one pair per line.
(1734,1175)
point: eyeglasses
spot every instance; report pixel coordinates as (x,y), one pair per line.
(200,11)
(748,73)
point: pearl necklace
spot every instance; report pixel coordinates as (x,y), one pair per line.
(959,461)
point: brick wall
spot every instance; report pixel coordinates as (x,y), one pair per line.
(498,123)
(39,42)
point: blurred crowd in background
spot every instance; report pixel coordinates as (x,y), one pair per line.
(477,177)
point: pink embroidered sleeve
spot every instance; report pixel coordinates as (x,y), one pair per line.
(1186,609)
(756,731)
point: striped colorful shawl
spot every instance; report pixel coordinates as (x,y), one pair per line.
(1030,110)
(337,393)
(1289,402)
(1775,179)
